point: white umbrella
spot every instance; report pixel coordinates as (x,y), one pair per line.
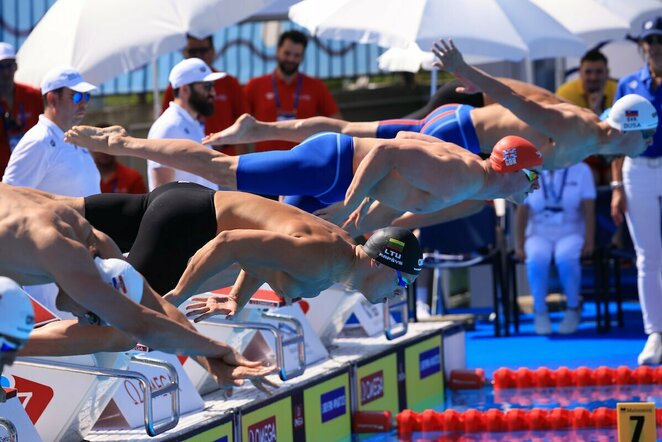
(635,12)
(104,38)
(414,59)
(504,29)
(590,19)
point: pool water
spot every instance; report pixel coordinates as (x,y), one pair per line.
(529,398)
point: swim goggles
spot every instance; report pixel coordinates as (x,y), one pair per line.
(7,345)
(402,282)
(531,174)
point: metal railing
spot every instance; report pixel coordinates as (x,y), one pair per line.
(400,305)
(11,429)
(173,388)
(281,342)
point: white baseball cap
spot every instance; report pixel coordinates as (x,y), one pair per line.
(192,70)
(63,76)
(121,276)
(16,312)
(7,52)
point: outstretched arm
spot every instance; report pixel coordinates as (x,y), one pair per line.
(251,249)
(249,130)
(71,266)
(176,153)
(414,220)
(549,120)
(67,338)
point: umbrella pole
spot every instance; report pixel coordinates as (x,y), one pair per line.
(155,89)
(433,81)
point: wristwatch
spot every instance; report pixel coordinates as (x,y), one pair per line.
(616,185)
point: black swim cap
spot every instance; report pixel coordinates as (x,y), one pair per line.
(397,248)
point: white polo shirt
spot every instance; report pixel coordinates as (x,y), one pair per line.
(42,160)
(175,122)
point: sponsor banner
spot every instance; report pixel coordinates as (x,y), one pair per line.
(15,413)
(270,423)
(326,410)
(424,374)
(377,385)
(222,433)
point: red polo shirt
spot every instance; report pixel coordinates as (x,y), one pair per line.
(124,180)
(229,105)
(314,99)
(24,115)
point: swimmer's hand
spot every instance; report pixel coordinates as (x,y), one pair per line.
(203,307)
(242,131)
(336,213)
(449,58)
(231,369)
(353,223)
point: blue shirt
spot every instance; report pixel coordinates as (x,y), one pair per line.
(640,83)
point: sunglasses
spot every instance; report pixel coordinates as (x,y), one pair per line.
(401,280)
(206,85)
(6,345)
(531,175)
(77,97)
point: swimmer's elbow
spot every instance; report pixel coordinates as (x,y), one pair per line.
(119,342)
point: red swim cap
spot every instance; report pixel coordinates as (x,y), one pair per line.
(513,153)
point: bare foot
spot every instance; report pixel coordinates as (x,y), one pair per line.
(241,132)
(95,138)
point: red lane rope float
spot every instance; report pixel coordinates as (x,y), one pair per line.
(543,377)
(498,421)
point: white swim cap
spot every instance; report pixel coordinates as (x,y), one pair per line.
(632,112)
(121,275)
(16,312)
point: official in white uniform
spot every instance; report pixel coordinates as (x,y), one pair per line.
(557,221)
(192,83)
(42,159)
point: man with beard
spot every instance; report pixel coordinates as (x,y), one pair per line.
(193,88)
(287,94)
(230,100)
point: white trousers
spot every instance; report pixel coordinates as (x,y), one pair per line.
(642,178)
(565,246)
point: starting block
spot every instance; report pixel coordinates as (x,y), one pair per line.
(14,420)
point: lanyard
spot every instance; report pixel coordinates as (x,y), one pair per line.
(556,199)
(297,92)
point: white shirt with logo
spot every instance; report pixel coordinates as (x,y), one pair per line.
(176,122)
(42,160)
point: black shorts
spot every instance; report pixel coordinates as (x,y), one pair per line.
(161,229)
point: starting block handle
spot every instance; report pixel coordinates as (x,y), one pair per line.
(250,325)
(11,429)
(172,388)
(388,329)
(112,373)
(297,339)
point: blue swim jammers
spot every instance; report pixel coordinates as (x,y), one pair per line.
(318,171)
(450,122)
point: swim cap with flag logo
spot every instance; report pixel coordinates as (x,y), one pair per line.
(631,112)
(397,248)
(16,312)
(513,153)
(121,275)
